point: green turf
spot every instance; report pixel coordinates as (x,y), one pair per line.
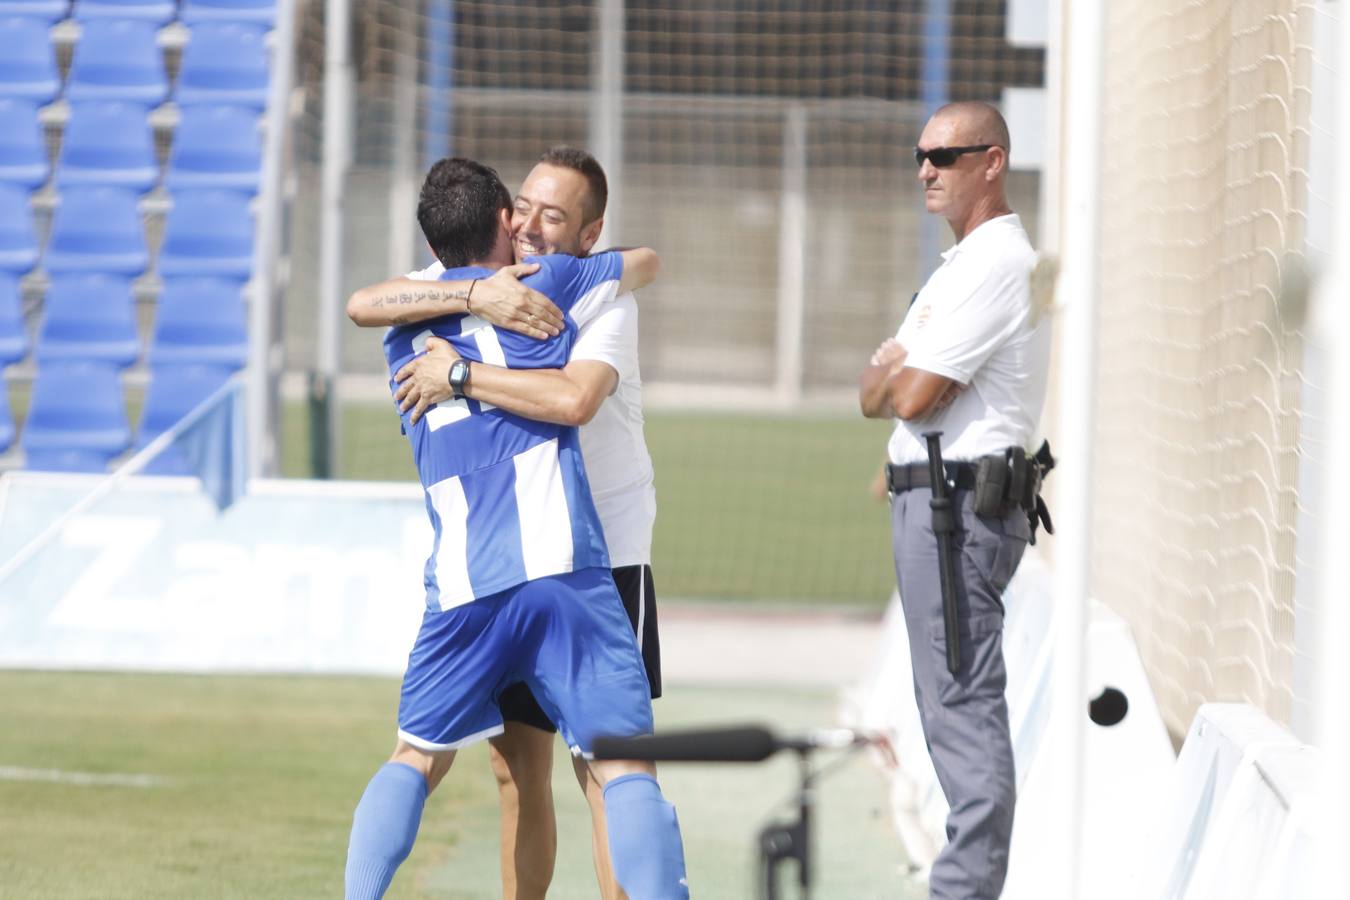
(750,508)
(261,775)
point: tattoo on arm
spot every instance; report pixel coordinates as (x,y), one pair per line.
(407,297)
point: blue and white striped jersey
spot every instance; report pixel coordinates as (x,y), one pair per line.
(508,497)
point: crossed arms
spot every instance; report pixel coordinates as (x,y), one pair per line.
(889,388)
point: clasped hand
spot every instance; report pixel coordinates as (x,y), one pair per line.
(424,380)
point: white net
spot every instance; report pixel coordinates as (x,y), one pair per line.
(1204,213)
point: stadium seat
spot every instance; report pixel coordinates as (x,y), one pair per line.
(18,248)
(108,143)
(13,331)
(208,233)
(27,61)
(46,10)
(224,63)
(23,152)
(216,147)
(156,11)
(173,392)
(97,229)
(252,12)
(77,421)
(88,317)
(200,320)
(118,60)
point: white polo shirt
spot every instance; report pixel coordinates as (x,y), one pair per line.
(974,323)
(613,444)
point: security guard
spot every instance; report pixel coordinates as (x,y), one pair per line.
(970,361)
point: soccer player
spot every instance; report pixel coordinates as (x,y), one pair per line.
(518,583)
(559,209)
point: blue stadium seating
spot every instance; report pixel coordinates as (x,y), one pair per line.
(108,144)
(6,423)
(173,392)
(208,233)
(97,229)
(77,421)
(88,317)
(13,332)
(254,12)
(23,152)
(216,147)
(118,60)
(200,320)
(46,10)
(156,11)
(18,247)
(27,61)
(224,63)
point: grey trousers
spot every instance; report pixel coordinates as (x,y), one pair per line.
(964,716)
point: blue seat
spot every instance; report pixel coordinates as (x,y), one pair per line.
(216,146)
(224,63)
(46,10)
(173,392)
(156,11)
(27,61)
(13,331)
(200,320)
(23,151)
(118,59)
(18,247)
(77,421)
(97,229)
(88,317)
(208,233)
(108,143)
(253,12)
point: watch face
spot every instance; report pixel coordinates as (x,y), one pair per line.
(459,373)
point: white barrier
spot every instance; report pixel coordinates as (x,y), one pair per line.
(1238,821)
(296,576)
(1127,761)
(1125,767)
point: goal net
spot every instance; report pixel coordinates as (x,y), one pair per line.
(1201,378)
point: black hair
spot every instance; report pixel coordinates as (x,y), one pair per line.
(580,161)
(458,210)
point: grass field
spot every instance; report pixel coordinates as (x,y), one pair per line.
(750,507)
(253,781)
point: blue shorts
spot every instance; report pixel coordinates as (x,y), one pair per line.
(566,636)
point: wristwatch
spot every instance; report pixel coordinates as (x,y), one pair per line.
(459,377)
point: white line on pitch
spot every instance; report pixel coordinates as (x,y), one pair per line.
(113,779)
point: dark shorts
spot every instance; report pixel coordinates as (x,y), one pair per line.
(639,601)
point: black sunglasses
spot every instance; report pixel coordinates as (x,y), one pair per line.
(942,157)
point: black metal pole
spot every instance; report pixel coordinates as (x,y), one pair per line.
(944,527)
(780,842)
(804,801)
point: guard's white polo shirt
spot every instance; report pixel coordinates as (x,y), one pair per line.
(974,323)
(618,465)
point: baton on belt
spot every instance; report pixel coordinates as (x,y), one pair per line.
(944,527)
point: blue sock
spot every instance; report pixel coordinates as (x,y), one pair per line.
(644,840)
(383,829)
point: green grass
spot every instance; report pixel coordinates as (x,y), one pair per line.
(750,508)
(261,775)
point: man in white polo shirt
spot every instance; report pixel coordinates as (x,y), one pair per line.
(970,360)
(559,209)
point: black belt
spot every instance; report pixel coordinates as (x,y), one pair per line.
(915,475)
